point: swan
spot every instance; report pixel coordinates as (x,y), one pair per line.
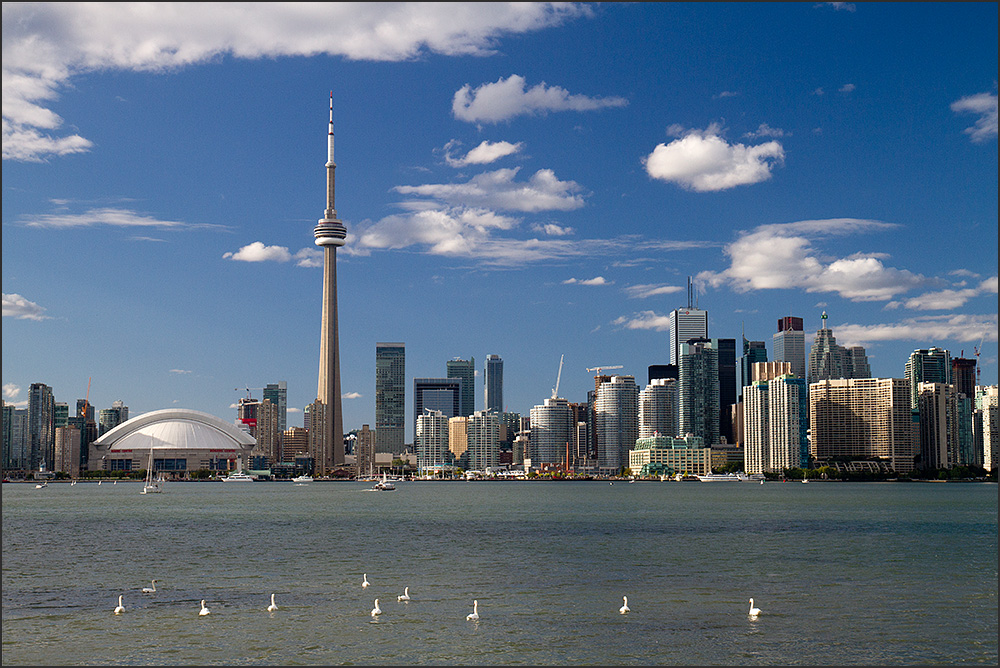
(204,610)
(273,606)
(150,590)
(753,611)
(376,610)
(365,583)
(625,607)
(405,596)
(474,615)
(121,608)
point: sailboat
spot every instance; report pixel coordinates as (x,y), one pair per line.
(384,485)
(152,486)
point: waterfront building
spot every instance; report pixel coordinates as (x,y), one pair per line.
(390,397)
(15,438)
(698,390)
(41,427)
(616,414)
(438,394)
(789,344)
(112,417)
(986,404)
(659,455)
(330,233)
(431,441)
(493,385)
(483,430)
(938,411)
(552,432)
(277,394)
(658,408)
(862,418)
(466,371)
(776,414)
(927,365)
(67,451)
(458,440)
(365,451)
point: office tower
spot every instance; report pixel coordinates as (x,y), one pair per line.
(112,417)
(963,375)
(727,387)
(483,440)
(327,435)
(698,391)
(552,431)
(753,352)
(390,397)
(789,344)
(458,440)
(927,365)
(466,371)
(67,451)
(938,409)
(655,371)
(510,424)
(863,418)
(826,360)
(775,414)
(966,454)
(986,404)
(686,324)
(431,441)
(493,384)
(277,394)
(41,427)
(616,414)
(856,362)
(438,394)
(769,370)
(658,408)
(60,415)
(582,416)
(294,443)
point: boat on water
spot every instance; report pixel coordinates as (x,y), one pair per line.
(41,485)
(384,485)
(730,477)
(152,486)
(302,478)
(239,476)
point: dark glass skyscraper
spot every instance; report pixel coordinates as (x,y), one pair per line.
(390,397)
(466,370)
(493,384)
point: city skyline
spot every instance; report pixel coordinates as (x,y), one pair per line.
(529,181)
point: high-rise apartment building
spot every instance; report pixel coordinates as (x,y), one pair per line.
(112,417)
(390,397)
(483,430)
(927,365)
(67,451)
(986,404)
(466,371)
(616,415)
(789,344)
(15,438)
(937,407)
(863,418)
(698,391)
(431,441)
(277,394)
(41,427)
(775,414)
(493,384)
(658,408)
(268,446)
(552,432)
(458,440)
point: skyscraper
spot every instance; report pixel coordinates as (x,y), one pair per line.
(698,391)
(437,394)
(493,384)
(826,358)
(927,365)
(327,433)
(789,344)
(114,416)
(277,393)
(776,416)
(466,370)
(431,441)
(551,431)
(685,324)
(483,433)
(658,408)
(390,397)
(727,387)
(753,352)
(41,427)
(616,411)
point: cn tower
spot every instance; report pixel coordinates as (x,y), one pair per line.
(330,233)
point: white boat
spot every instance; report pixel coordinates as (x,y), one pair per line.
(302,478)
(152,486)
(724,477)
(384,485)
(41,485)
(238,476)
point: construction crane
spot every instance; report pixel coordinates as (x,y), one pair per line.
(975,352)
(236,389)
(555,390)
(599,369)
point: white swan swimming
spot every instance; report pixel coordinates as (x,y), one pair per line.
(474,615)
(121,608)
(376,610)
(150,590)
(625,607)
(753,611)
(204,610)
(405,596)
(365,583)
(273,606)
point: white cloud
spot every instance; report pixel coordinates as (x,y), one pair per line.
(483,154)
(111,217)
(847,88)
(180,371)
(764,130)
(838,6)
(950,299)
(725,93)
(984,104)
(16,306)
(924,329)
(46,45)
(597,280)
(651,290)
(258,252)
(552,230)
(507,98)
(704,162)
(644,320)
(498,190)
(11,391)
(783,256)
(818,91)
(351,395)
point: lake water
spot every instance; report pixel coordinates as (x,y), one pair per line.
(844,573)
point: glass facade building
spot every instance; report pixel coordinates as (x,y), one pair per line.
(390,397)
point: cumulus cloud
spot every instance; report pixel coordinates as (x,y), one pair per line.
(650,290)
(597,280)
(705,162)
(16,306)
(483,154)
(644,320)
(984,104)
(46,45)
(10,390)
(259,252)
(784,255)
(499,190)
(351,395)
(943,300)
(927,329)
(507,98)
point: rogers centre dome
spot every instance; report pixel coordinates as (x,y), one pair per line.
(180,440)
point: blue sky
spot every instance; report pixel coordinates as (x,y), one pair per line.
(527,180)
